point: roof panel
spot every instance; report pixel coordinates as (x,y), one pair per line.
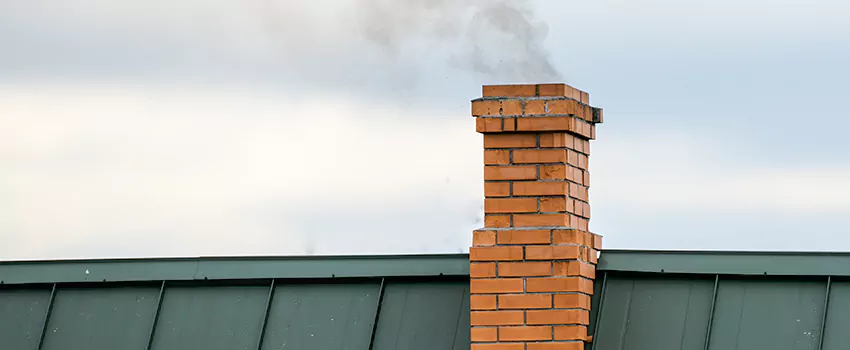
(101,318)
(333,316)
(211,317)
(424,315)
(22,314)
(835,335)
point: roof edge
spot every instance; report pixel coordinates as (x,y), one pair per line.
(224,268)
(727,262)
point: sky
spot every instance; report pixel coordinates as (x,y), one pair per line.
(287,127)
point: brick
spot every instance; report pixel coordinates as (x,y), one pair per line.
(571,236)
(483,334)
(580,223)
(482,302)
(559,284)
(597,241)
(497,220)
(510,172)
(488,124)
(498,346)
(537,188)
(556,139)
(586,179)
(482,238)
(497,189)
(555,252)
(495,285)
(537,317)
(553,172)
(568,107)
(574,268)
(497,156)
(541,220)
(551,89)
(496,318)
(509,90)
(525,333)
(556,204)
(510,205)
(510,140)
(571,301)
(572,158)
(576,191)
(592,256)
(570,332)
(545,124)
(585,97)
(577,175)
(509,125)
(477,270)
(524,237)
(534,107)
(505,253)
(540,156)
(583,161)
(575,345)
(525,301)
(521,269)
(485,108)
(511,107)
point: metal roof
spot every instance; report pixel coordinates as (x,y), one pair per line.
(643,300)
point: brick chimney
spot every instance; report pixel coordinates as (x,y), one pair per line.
(532,266)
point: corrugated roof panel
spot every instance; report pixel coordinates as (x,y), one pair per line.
(100,318)
(836,334)
(215,317)
(424,316)
(22,314)
(654,313)
(333,316)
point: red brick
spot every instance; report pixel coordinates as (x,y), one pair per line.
(482,302)
(597,241)
(541,220)
(556,204)
(540,188)
(523,237)
(510,124)
(540,156)
(482,269)
(563,107)
(571,301)
(521,269)
(486,108)
(497,156)
(497,220)
(511,107)
(559,284)
(545,124)
(509,90)
(536,317)
(488,124)
(510,140)
(510,205)
(510,172)
(497,189)
(525,301)
(572,158)
(499,346)
(496,318)
(574,268)
(482,238)
(570,333)
(576,191)
(556,139)
(505,253)
(553,172)
(527,333)
(483,334)
(495,285)
(574,345)
(571,236)
(556,252)
(533,107)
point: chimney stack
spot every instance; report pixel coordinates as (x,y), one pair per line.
(532,266)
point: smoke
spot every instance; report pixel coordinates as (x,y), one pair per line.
(500,40)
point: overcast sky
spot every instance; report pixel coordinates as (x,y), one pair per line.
(275,127)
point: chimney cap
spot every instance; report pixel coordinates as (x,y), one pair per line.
(535,90)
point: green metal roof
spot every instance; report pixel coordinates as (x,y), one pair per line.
(643,300)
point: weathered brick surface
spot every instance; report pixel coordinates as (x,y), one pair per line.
(532,265)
